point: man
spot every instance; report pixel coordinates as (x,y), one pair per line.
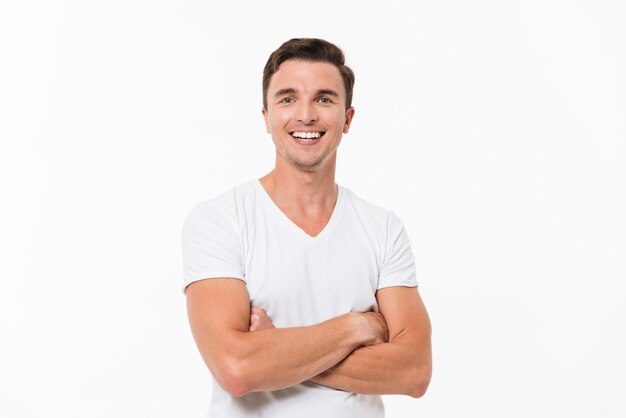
(302,297)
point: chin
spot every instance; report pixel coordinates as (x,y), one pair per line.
(307,165)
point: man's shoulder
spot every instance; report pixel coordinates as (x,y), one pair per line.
(229,199)
(225,205)
(366,207)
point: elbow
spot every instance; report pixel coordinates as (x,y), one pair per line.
(418,390)
(235,388)
(234,379)
(419,382)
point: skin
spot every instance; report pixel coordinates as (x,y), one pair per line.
(371,353)
(302,183)
(383,368)
(244,362)
(306,96)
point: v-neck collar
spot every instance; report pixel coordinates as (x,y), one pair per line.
(330,225)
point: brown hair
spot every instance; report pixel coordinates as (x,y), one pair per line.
(309,49)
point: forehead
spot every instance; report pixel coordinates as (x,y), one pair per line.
(306,75)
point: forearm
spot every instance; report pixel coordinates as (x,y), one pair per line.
(273,359)
(389,368)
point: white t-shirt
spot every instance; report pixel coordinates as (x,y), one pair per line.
(298,279)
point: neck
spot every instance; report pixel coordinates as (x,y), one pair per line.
(307,191)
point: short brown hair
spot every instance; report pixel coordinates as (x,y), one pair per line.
(309,49)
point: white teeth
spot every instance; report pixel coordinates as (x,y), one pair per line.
(306,135)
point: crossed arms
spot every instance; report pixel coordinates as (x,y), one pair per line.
(366,353)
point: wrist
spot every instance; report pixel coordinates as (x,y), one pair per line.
(360,329)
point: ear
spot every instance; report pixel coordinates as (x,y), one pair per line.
(348,121)
(265,117)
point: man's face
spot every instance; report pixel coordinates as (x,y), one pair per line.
(306,113)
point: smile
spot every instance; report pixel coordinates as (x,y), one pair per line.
(307,135)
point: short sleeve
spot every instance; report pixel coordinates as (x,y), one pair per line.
(398,266)
(211,246)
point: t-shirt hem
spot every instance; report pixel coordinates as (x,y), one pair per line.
(404,283)
(213,275)
(398,285)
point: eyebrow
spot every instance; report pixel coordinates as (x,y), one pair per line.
(282,92)
(327,92)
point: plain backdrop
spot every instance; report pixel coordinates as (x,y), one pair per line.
(495,129)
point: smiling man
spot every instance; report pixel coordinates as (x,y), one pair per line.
(302,297)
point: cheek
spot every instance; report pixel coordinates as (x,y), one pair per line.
(279,121)
(341,120)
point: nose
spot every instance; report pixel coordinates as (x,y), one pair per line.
(306,113)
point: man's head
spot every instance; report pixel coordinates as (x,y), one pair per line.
(306,103)
(309,49)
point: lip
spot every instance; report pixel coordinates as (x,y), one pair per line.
(303,141)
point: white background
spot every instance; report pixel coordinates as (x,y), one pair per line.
(495,129)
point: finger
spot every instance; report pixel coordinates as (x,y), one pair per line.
(258,310)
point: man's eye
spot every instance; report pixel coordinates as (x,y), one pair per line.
(287,100)
(324,100)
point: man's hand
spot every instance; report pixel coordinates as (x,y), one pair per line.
(370,323)
(376,326)
(401,366)
(259,319)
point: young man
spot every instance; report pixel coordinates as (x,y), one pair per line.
(302,297)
